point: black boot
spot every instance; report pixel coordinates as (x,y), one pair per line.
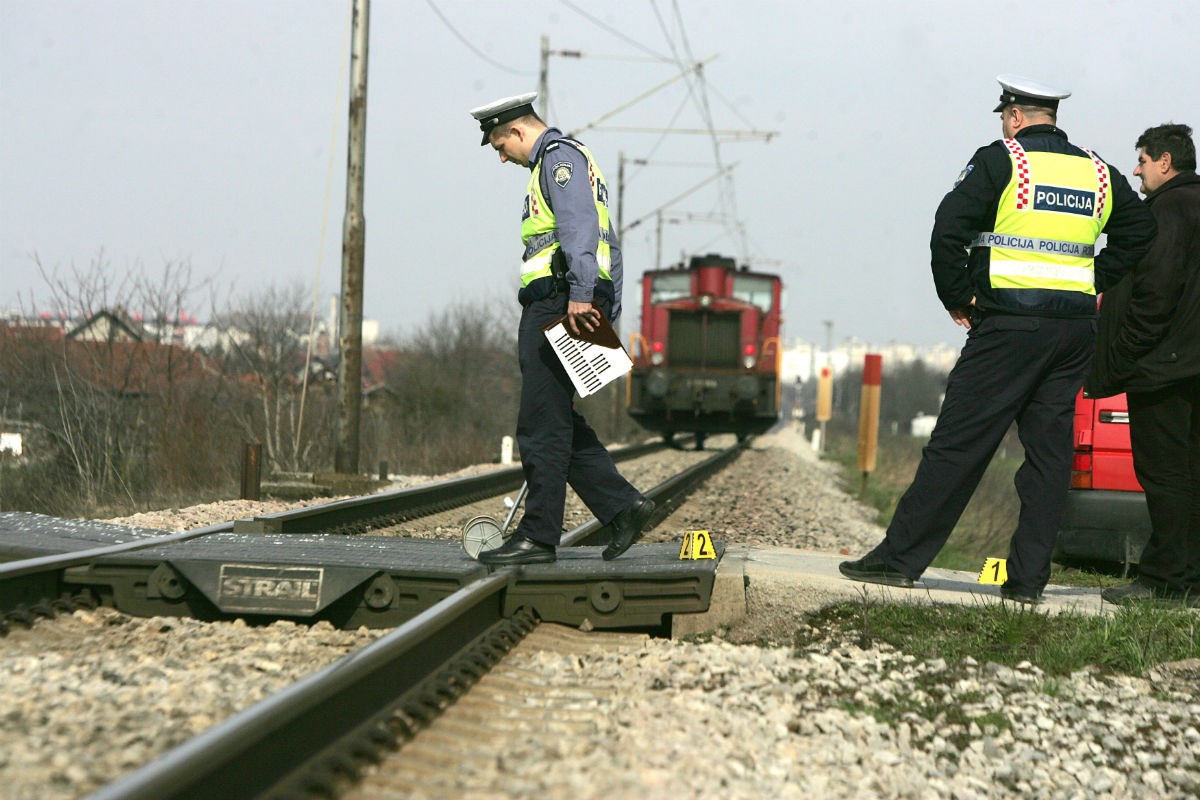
(871,569)
(518,550)
(627,527)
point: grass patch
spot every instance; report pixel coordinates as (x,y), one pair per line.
(989,518)
(988,521)
(1128,642)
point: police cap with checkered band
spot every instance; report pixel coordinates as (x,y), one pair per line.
(501,111)
(1028,92)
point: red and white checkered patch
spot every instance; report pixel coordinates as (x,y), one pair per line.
(1022,163)
(1102,178)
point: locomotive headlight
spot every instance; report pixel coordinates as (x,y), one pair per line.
(656,353)
(656,359)
(748,362)
(705,300)
(748,359)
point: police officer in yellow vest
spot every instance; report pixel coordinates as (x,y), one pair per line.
(1014,262)
(571,266)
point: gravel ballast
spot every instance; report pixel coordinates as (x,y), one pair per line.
(91,695)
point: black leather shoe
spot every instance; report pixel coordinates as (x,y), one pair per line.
(872,570)
(1019,596)
(1141,593)
(627,527)
(518,550)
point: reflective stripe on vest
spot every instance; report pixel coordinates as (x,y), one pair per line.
(539,230)
(1034,245)
(1047,222)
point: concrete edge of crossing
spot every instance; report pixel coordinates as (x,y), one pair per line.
(750,576)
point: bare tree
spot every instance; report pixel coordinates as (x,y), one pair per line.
(121,410)
(263,343)
(455,389)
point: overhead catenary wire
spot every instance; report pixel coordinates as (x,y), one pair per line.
(682,75)
(467,42)
(605,26)
(662,137)
(690,70)
(729,195)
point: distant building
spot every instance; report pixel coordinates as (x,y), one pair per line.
(802,359)
(108,326)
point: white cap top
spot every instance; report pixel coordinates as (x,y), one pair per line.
(504,110)
(1026,91)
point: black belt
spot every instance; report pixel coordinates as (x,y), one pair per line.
(542,288)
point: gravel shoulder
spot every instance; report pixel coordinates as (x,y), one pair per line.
(744,714)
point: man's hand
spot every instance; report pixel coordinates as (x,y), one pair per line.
(582,317)
(962,316)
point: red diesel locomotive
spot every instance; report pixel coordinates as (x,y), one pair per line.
(708,356)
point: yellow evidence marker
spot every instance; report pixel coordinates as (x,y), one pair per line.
(697,544)
(995,570)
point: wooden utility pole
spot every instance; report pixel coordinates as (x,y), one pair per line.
(544,78)
(353,247)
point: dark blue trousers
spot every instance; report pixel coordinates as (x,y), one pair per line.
(1012,368)
(558,447)
(1164,429)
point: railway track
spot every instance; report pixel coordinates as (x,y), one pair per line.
(745,715)
(39,583)
(510,708)
(412,674)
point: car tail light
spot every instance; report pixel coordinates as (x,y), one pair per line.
(1081,471)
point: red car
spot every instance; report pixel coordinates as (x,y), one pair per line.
(1106,517)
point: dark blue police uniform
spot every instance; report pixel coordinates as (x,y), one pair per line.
(572,255)
(558,446)
(1026,355)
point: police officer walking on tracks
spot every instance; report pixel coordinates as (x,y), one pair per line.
(572,267)
(1013,262)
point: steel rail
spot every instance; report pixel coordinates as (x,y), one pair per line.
(263,750)
(400,504)
(374,510)
(249,753)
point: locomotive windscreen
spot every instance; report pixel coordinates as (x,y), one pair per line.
(704,339)
(758,290)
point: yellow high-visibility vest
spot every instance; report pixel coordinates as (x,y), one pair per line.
(539,230)
(1047,222)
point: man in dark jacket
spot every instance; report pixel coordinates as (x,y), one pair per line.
(1149,347)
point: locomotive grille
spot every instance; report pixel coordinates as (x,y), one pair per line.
(704,339)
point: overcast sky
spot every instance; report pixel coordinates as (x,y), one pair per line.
(202,131)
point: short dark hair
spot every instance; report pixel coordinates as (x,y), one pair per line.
(1170,138)
(1038,111)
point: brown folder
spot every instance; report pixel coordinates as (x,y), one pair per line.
(603,336)
(592,359)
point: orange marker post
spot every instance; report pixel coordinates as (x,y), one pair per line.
(868,415)
(824,400)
